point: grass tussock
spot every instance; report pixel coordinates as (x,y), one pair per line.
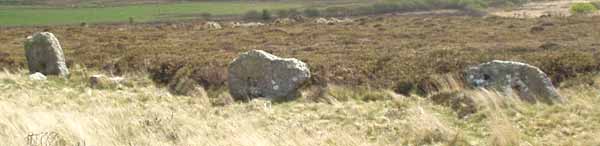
(68,112)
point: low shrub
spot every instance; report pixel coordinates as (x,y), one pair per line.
(282,13)
(206,15)
(338,11)
(569,65)
(293,12)
(311,12)
(266,15)
(405,88)
(583,8)
(386,7)
(253,15)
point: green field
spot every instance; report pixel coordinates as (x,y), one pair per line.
(22,15)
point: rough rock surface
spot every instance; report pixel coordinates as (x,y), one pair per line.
(333,20)
(299,18)
(212,25)
(249,24)
(284,21)
(45,55)
(37,77)
(321,21)
(259,74)
(526,81)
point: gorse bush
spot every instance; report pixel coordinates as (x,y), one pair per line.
(583,8)
(266,15)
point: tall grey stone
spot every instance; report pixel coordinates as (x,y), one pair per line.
(45,55)
(526,81)
(259,74)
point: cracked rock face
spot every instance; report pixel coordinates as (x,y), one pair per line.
(45,55)
(526,81)
(259,74)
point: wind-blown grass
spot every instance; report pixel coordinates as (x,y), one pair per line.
(67,112)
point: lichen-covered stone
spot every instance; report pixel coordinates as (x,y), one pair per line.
(524,80)
(45,55)
(259,74)
(212,25)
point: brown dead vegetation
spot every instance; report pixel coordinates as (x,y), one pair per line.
(395,52)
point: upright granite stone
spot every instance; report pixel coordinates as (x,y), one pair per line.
(524,80)
(260,74)
(45,55)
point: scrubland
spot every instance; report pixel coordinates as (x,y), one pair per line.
(391,52)
(381,80)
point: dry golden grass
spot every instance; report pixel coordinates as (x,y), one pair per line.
(68,112)
(362,62)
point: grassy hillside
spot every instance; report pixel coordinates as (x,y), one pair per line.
(74,12)
(88,3)
(67,113)
(35,15)
(80,2)
(391,80)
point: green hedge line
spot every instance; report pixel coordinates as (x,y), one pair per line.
(472,6)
